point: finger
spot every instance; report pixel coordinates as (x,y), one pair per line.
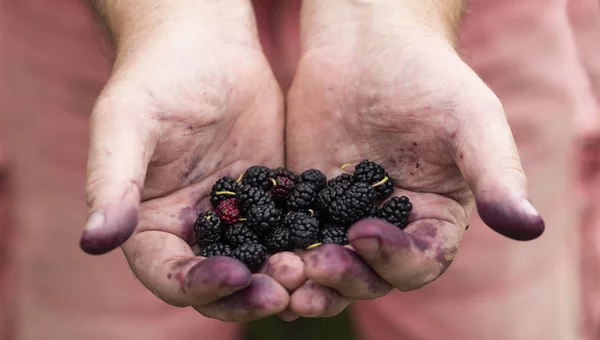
(286,268)
(288,315)
(121,145)
(166,265)
(487,156)
(407,259)
(342,269)
(313,300)
(262,298)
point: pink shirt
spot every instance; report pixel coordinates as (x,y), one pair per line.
(541,57)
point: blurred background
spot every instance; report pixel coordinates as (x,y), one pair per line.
(540,56)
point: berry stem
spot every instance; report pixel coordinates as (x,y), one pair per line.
(345,166)
(224,193)
(312,212)
(242,219)
(239,180)
(381,182)
(274,182)
(313,245)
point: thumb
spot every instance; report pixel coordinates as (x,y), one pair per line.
(487,156)
(121,145)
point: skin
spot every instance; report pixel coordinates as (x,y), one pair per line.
(180,111)
(363,89)
(445,142)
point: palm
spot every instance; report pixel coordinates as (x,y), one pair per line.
(410,109)
(397,118)
(193,116)
(217,124)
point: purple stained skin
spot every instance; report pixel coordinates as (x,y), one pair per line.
(509,220)
(255,298)
(342,269)
(287,269)
(219,272)
(316,299)
(117,228)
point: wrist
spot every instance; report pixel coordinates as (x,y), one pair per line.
(351,20)
(132,22)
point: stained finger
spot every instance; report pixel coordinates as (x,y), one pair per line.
(409,258)
(342,269)
(313,300)
(167,266)
(262,298)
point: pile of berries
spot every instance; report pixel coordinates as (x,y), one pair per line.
(267,210)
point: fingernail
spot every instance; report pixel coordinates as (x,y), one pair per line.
(367,246)
(529,208)
(94,221)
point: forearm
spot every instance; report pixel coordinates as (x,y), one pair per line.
(130,21)
(347,19)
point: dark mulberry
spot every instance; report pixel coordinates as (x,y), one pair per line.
(259,176)
(333,191)
(251,254)
(250,196)
(216,249)
(334,234)
(315,177)
(356,203)
(281,172)
(372,173)
(345,179)
(263,218)
(278,240)
(304,196)
(396,211)
(238,234)
(223,189)
(304,230)
(207,228)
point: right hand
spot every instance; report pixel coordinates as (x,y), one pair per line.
(191,99)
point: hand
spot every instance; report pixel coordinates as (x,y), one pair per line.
(386,87)
(191,99)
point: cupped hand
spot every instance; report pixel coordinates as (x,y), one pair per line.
(401,97)
(185,105)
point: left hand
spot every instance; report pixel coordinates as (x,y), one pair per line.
(396,92)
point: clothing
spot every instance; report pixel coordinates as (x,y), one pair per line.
(532,54)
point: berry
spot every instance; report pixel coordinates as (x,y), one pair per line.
(251,254)
(263,218)
(333,190)
(372,173)
(396,211)
(334,234)
(207,228)
(238,234)
(356,202)
(346,179)
(283,187)
(281,172)
(315,177)
(250,196)
(216,249)
(259,176)
(228,211)
(304,196)
(304,230)
(278,240)
(222,190)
